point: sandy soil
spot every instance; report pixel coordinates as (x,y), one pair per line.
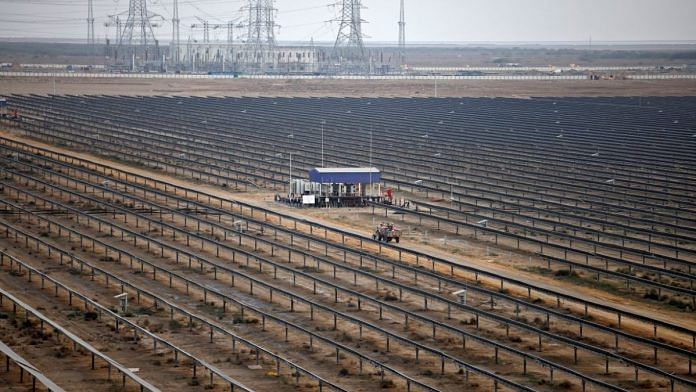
(388,324)
(343,88)
(478,253)
(72,369)
(320,215)
(462,249)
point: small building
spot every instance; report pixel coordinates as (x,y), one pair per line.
(350,175)
(337,187)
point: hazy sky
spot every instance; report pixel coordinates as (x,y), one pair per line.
(427,20)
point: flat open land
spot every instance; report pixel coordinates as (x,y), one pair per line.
(546,243)
(346,88)
(444,55)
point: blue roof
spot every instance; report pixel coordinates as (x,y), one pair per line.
(348,175)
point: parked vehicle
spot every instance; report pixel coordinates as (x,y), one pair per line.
(387,232)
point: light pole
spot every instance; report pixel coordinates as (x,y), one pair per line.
(290,136)
(417,183)
(438,155)
(371,185)
(449,182)
(322,142)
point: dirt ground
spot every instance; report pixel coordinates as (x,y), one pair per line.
(490,328)
(468,251)
(347,88)
(461,249)
(42,51)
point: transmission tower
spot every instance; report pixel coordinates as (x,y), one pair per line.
(402,35)
(176,38)
(349,45)
(137,38)
(90,24)
(261,26)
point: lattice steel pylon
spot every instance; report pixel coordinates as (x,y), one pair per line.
(349,46)
(90,23)
(261,27)
(176,37)
(402,35)
(137,38)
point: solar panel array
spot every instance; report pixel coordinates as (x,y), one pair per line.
(591,188)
